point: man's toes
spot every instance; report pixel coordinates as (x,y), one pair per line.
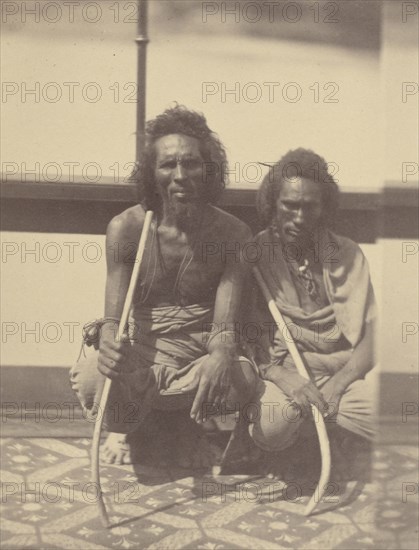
(126,458)
(121,456)
(108,457)
(111,457)
(118,459)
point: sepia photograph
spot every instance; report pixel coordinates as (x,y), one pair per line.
(209,275)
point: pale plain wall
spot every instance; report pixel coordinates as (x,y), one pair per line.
(41,294)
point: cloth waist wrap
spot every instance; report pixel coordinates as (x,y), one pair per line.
(168,340)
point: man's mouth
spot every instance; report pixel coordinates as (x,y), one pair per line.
(294,232)
(182,195)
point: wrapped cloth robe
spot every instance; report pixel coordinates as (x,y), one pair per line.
(325,338)
(168,346)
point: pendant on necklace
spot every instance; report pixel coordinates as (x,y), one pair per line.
(303,268)
(306,277)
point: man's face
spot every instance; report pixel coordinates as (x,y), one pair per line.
(179,174)
(299,210)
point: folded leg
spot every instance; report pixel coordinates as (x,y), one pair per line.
(357,407)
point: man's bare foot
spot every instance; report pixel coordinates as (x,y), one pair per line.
(119,448)
(171,436)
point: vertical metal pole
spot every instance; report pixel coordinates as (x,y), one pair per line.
(142,41)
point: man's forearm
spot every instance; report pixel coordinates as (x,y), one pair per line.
(270,372)
(361,361)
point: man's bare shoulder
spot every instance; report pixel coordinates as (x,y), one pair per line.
(229,226)
(263,236)
(127,225)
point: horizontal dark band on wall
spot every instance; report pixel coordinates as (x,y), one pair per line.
(92,217)
(40,394)
(83,208)
(37,384)
(77,191)
(121,192)
(31,385)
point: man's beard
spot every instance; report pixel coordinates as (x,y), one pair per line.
(187,215)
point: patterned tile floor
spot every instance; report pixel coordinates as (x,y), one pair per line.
(47,502)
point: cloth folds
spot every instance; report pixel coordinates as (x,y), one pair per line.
(168,339)
(325,338)
(333,329)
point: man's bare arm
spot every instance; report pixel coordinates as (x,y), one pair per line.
(215,377)
(121,237)
(228,301)
(361,361)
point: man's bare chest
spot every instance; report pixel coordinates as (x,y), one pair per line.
(176,271)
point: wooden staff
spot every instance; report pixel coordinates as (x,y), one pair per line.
(317,415)
(142,41)
(108,382)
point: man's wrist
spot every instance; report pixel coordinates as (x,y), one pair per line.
(109,329)
(224,350)
(224,340)
(93,330)
(341,382)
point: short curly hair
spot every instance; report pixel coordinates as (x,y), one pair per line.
(180,120)
(297,163)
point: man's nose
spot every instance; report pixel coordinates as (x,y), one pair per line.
(299,217)
(180,172)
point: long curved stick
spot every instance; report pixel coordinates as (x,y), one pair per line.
(94,457)
(317,415)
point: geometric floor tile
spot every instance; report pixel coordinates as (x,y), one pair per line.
(49,503)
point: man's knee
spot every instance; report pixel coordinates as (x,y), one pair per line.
(276,421)
(275,436)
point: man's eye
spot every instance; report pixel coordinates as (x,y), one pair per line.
(168,165)
(290,205)
(191,164)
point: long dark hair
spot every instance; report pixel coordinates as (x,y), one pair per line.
(303,163)
(180,120)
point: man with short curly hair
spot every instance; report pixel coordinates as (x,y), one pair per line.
(320,282)
(182,353)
